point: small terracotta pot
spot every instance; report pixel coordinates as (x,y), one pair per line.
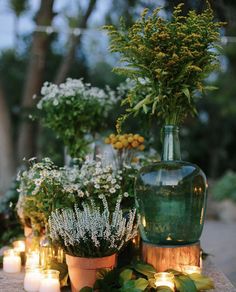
(82,271)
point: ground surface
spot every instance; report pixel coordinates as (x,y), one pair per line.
(14,282)
(219,239)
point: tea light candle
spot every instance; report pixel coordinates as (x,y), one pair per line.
(192,270)
(11,261)
(32,279)
(19,245)
(165,279)
(50,281)
(32,259)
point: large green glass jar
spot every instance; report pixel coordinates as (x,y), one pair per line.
(171,196)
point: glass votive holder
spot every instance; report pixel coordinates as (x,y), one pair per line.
(32,259)
(50,281)
(164,279)
(191,269)
(50,253)
(32,279)
(19,245)
(11,261)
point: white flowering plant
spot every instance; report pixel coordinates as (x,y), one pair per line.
(75,109)
(97,179)
(92,231)
(43,188)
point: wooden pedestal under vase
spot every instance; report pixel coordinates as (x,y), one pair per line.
(164,257)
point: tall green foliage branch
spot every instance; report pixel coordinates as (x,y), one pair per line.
(168,60)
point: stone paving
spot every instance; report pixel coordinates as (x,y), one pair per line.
(14,282)
(219,240)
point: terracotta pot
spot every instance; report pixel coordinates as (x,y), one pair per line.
(82,271)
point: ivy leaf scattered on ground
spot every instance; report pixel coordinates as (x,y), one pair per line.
(185,284)
(145,269)
(202,282)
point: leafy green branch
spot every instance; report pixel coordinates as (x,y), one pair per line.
(168,60)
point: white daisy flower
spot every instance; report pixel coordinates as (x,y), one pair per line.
(112,190)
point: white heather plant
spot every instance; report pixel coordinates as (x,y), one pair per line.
(75,109)
(93,231)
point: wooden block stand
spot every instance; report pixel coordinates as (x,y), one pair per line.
(164,257)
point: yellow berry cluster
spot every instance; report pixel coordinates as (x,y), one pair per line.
(128,141)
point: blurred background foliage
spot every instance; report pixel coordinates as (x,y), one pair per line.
(208,140)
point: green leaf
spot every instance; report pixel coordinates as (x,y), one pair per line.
(154,106)
(128,290)
(86,289)
(141,284)
(152,282)
(210,87)
(62,268)
(185,284)
(174,272)
(109,280)
(140,104)
(186,92)
(101,274)
(145,269)
(145,109)
(125,276)
(126,71)
(164,289)
(202,282)
(129,286)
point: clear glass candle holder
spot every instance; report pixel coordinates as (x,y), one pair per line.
(164,279)
(50,281)
(33,259)
(50,253)
(32,279)
(19,245)
(11,261)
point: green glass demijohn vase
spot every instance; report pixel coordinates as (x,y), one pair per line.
(171,196)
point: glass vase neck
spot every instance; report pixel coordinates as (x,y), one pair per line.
(171,143)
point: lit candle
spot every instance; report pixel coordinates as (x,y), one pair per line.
(50,281)
(11,261)
(201,260)
(19,245)
(165,279)
(191,269)
(32,279)
(32,259)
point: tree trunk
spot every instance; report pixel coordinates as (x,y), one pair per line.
(7,158)
(164,257)
(16,34)
(74,42)
(34,80)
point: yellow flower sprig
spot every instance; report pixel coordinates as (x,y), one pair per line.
(126,141)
